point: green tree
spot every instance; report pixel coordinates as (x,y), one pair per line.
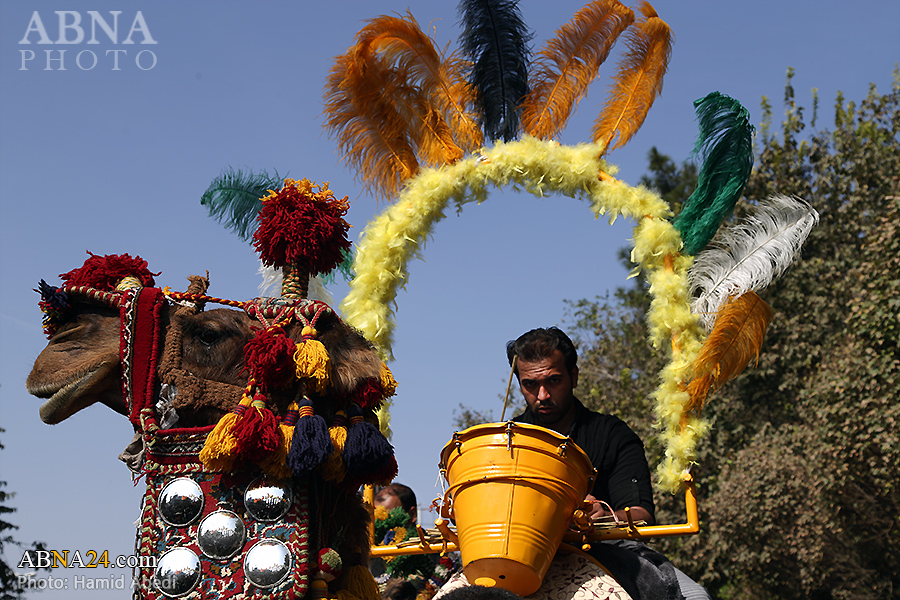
(10,587)
(799,476)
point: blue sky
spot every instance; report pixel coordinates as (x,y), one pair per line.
(115,161)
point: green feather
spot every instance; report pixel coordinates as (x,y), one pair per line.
(725,144)
(234,198)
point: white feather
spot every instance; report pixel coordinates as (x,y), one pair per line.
(271,285)
(749,255)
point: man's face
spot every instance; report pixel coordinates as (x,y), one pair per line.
(547,387)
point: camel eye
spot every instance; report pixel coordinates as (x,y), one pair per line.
(209,337)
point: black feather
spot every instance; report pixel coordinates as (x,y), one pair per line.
(234,198)
(495,40)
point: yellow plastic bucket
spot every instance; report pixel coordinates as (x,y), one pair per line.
(513,489)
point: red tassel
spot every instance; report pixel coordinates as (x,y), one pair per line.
(276,463)
(367,394)
(256,431)
(269,357)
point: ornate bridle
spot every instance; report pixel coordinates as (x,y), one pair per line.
(226,511)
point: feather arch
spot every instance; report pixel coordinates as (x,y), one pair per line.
(735,340)
(569,63)
(638,82)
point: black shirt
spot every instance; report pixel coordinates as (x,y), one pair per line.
(623,477)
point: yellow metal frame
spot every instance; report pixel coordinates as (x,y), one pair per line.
(450,542)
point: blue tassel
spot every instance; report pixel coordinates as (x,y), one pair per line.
(310,444)
(368,455)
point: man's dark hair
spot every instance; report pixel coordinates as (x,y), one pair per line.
(539,344)
(404,494)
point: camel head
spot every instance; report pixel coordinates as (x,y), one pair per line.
(201,352)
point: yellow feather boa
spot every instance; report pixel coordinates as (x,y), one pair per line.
(540,167)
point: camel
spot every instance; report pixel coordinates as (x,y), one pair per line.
(197,375)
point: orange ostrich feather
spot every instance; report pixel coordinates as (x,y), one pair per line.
(368,129)
(639,80)
(393,101)
(569,63)
(736,339)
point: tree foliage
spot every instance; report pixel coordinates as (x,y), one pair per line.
(10,586)
(800,477)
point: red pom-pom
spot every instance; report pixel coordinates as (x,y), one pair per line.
(301,226)
(105,272)
(270,358)
(368,393)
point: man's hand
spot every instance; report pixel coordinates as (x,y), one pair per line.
(598,510)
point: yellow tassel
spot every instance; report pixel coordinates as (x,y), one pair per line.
(388,383)
(219,449)
(276,463)
(312,360)
(358,581)
(333,468)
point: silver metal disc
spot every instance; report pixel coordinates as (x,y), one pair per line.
(267,563)
(181,502)
(221,534)
(267,501)
(177,572)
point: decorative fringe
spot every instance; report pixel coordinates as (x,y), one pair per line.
(276,464)
(310,444)
(333,468)
(312,360)
(368,454)
(221,447)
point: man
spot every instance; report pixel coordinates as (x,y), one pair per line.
(546,365)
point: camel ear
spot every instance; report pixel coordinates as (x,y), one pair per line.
(198,284)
